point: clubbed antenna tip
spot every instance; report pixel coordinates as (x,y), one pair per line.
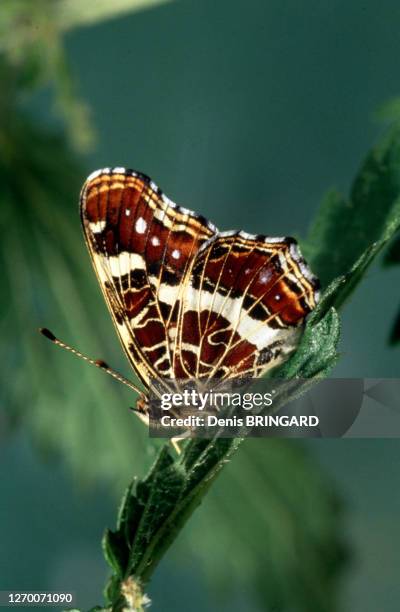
(48,334)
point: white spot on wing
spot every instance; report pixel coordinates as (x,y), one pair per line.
(176,254)
(155,241)
(228,233)
(247,236)
(185,211)
(264,277)
(140,225)
(306,272)
(295,251)
(167,201)
(97,227)
(127,212)
(273,239)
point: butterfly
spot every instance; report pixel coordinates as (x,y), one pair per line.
(189,301)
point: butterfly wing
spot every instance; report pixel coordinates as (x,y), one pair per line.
(187,301)
(142,246)
(243,307)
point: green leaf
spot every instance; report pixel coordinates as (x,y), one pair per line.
(343,286)
(203,460)
(345,227)
(45,388)
(158,495)
(115,551)
(154,510)
(342,228)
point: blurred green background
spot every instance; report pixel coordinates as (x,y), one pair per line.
(246,112)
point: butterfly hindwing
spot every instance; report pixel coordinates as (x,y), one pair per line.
(243,306)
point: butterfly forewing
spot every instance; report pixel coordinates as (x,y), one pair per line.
(187,301)
(142,246)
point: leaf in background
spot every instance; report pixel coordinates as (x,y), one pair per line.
(47,274)
(32,56)
(48,281)
(343,286)
(348,234)
(344,228)
(72,13)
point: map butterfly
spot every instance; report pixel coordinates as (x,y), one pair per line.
(188,301)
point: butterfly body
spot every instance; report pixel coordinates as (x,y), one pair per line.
(188,301)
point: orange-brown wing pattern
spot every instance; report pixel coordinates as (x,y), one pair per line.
(244,306)
(141,245)
(188,301)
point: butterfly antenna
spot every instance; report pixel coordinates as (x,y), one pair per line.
(99,363)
